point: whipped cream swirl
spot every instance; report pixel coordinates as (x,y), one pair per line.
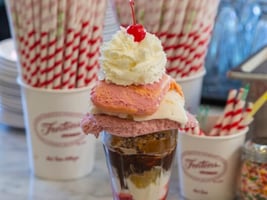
(126,62)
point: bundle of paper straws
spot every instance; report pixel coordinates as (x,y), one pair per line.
(236,115)
(184,27)
(57,41)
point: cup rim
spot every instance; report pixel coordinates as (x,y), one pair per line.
(194,76)
(226,137)
(22,84)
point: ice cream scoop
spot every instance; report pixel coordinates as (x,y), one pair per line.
(134,89)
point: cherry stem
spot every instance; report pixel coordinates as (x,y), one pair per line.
(132,8)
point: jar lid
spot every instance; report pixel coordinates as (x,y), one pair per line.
(256,150)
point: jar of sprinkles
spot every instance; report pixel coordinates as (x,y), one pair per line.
(253,179)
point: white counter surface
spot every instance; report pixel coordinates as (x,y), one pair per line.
(17,182)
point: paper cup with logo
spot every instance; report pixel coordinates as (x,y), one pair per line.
(208,166)
(57,147)
(192,87)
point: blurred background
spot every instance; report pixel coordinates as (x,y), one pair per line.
(240,30)
(4,29)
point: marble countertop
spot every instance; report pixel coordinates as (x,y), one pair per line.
(17,182)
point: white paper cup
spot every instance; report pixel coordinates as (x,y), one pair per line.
(208,166)
(192,87)
(57,147)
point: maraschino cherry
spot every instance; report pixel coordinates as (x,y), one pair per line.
(137,30)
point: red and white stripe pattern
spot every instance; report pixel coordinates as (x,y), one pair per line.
(18,31)
(172,45)
(52,42)
(95,41)
(184,28)
(236,115)
(30,40)
(153,16)
(36,7)
(230,111)
(84,47)
(59,53)
(23,43)
(221,126)
(76,43)
(45,20)
(54,39)
(196,39)
(69,38)
(168,14)
(246,119)
(237,112)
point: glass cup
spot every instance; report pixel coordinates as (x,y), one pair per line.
(140,167)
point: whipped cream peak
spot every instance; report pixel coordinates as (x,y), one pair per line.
(126,62)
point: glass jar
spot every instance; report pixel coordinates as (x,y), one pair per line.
(140,167)
(253,179)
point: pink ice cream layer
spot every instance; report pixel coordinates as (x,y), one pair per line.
(94,124)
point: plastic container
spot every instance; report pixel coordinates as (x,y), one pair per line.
(253,178)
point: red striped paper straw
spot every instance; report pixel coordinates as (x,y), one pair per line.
(70,19)
(226,116)
(14,16)
(30,37)
(152,15)
(84,47)
(61,20)
(215,131)
(36,7)
(76,44)
(93,64)
(237,116)
(208,20)
(45,7)
(229,112)
(90,65)
(52,41)
(23,45)
(190,29)
(246,119)
(174,45)
(194,61)
(237,112)
(168,16)
(194,37)
(197,57)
